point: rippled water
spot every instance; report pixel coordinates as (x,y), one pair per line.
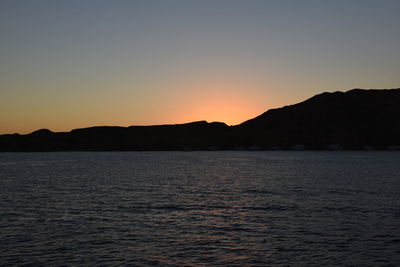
(200,208)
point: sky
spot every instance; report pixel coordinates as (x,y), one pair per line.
(80,63)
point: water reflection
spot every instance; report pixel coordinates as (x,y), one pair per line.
(200,208)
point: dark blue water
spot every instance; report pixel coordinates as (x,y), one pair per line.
(200,208)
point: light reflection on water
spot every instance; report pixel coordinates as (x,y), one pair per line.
(200,208)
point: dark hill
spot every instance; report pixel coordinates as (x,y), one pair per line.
(357,119)
(353,120)
(195,135)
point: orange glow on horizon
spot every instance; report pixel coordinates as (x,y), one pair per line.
(228,100)
(230,111)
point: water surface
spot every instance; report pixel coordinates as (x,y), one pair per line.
(270,208)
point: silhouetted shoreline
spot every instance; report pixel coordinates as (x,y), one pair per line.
(355,120)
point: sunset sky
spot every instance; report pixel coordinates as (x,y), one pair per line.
(72,64)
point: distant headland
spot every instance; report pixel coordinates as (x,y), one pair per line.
(356,119)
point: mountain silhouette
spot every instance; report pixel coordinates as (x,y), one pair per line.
(356,119)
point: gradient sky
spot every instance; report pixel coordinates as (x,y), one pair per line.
(71,64)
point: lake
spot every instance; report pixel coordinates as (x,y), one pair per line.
(220,208)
